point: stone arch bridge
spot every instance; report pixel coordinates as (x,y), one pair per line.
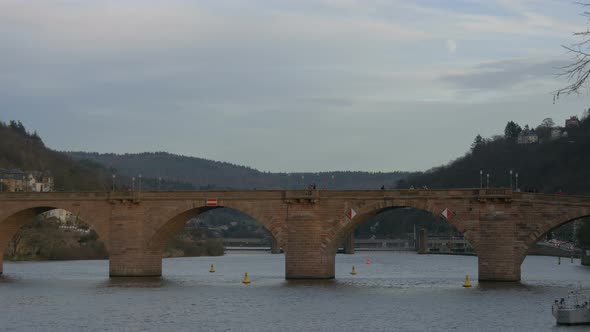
(309,225)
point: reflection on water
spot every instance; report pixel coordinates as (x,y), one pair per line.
(133,282)
(396,291)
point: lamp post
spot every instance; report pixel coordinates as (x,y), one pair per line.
(139,183)
(517,182)
(114,176)
(159,183)
(510,179)
(488,180)
(480,178)
(133,183)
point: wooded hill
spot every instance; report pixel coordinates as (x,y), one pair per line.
(549,166)
(552,165)
(209,174)
(26,151)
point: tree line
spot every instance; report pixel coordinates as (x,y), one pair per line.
(551,165)
(208,174)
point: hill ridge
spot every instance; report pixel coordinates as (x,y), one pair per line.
(208,174)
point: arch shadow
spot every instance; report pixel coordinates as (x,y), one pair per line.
(12,223)
(404,221)
(532,239)
(346,225)
(166,231)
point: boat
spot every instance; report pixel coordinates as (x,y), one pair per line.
(572,310)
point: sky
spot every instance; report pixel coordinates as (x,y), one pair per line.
(289,86)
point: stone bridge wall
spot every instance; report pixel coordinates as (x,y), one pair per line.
(308,225)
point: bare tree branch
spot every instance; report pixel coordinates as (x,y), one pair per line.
(578,71)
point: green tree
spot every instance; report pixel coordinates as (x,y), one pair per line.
(477,143)
(511,131)
(547,123)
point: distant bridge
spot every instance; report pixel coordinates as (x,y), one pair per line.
(309,225)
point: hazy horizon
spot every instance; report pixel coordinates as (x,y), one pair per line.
(311,85)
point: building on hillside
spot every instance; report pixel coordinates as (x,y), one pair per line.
(68,221)
(40,181)
(60,214)
(557,133)
(572,122)
(16,180)
(527,136)
(12,180)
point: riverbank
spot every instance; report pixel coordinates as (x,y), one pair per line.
(49,240)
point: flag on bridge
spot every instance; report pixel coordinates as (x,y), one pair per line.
(212,202)
(351,213)
(447,214)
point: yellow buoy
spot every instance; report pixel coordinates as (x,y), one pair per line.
(212,269)
(466,283)
(353,272)
(246,279)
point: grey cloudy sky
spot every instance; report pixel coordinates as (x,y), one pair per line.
(304,85)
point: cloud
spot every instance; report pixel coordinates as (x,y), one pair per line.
(485,19)
(95,28)
(505,74)
(248,80)
(528,23)
(451,46)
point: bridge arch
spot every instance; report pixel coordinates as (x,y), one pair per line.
(163,221)
(14,218)
(173,222)
(543,228)
(345,225)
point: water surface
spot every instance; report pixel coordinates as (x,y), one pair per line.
(397,291)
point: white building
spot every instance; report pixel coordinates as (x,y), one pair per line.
(59,214)
(527,136)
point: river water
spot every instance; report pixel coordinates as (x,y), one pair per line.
(397,291)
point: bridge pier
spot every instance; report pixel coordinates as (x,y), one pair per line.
(492,268)
(135,264)
(274,246)
(497,250)
(422,241)
(305,257)
(307,265)
(128,252)
(349,243)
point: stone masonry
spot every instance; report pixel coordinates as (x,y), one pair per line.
(308,225)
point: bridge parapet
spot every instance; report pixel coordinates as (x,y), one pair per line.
(54,195)
(302,196)
(552,199)
(483,195)
(124,197)
(265,194)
